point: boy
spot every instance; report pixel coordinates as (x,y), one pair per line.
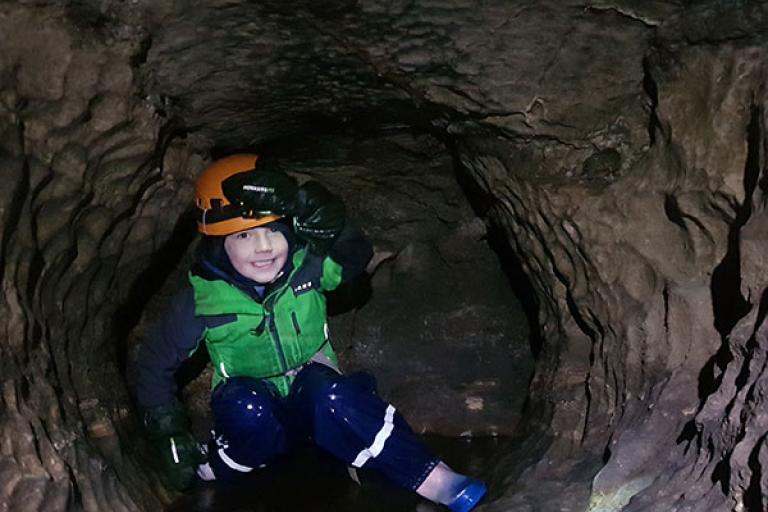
(270,249)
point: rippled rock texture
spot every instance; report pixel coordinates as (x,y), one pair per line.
(618,147)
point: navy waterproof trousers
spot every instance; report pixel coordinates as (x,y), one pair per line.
(342,414)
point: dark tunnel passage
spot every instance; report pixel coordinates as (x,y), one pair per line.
(430,239)
(566,204)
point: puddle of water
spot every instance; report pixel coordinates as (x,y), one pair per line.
(310,480)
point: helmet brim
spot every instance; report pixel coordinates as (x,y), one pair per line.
(234,225)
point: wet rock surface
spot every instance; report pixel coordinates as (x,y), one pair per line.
(618,147)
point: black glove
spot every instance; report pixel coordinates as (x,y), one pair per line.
(319,216)
(261,192)
(178,452)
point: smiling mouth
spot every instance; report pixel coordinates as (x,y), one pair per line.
(263,263)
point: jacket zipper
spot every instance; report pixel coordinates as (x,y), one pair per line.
(268,303)
(295,323)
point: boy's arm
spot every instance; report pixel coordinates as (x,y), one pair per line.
(167,345)
(352,251)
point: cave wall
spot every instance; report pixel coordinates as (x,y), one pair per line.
(620,147)
(645,275)
(721,446)
(88,170)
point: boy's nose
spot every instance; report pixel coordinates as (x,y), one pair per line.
(261,242)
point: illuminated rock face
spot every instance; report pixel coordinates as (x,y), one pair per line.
(614,154)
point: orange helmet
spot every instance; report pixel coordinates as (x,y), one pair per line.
(218,216)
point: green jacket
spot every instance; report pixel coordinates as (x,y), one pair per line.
(243,336)
(270,339)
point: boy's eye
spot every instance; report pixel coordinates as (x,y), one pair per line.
(242,236)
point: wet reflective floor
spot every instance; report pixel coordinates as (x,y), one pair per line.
(308,480)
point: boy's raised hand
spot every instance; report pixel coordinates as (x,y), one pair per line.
(319,216)
(262,192)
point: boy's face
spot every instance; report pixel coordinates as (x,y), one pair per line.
(258,253)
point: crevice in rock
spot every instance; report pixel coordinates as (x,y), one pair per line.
(13,215)
(623,11)
(652,91)
(711,374)
(754,500)
(140,57)
(34,272)
(743,376)
(76,494)
(520,284)
(496,238)
(581,321)
(727,302)
(88,16)
(673,212)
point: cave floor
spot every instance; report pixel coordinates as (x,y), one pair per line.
(310,480)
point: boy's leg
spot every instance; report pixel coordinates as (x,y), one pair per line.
(249,430)
(346,417)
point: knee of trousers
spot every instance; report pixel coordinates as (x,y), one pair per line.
(249,429)
(318,385)
(243,404)
(343,412)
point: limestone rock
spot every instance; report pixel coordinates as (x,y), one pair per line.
(617,146)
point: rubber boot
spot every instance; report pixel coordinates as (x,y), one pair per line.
(469,494)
